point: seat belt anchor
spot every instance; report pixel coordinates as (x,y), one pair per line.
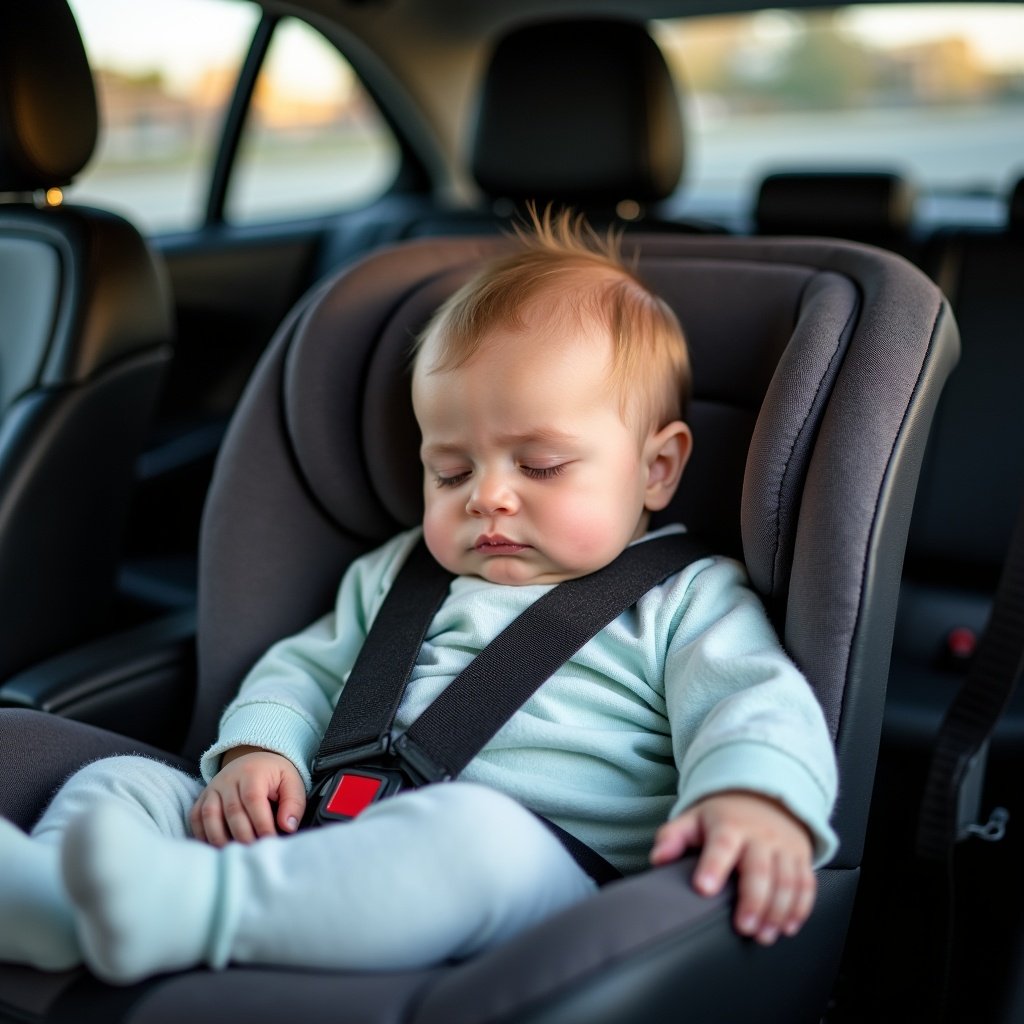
(366,752)
(417,764)
(993,830)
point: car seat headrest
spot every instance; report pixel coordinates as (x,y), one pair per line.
(347,410)
(583,112)
(353,440)
(48,117)
(1015,213)
(850,205)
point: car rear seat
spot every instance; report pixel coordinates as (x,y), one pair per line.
(582,113)
(864,206)
(972,483)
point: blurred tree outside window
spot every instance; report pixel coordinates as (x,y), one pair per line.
(165,72)
(932,91)
(313,140)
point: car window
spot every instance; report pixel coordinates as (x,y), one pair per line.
(933,91)
(312,140)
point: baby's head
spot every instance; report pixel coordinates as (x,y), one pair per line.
(550,392)
(564,275)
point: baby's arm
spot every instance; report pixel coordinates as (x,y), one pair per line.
(239,801)
(769,848)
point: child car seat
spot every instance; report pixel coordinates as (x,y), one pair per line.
(817,367)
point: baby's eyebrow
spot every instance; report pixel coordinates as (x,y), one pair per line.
(542,435)
(435,450)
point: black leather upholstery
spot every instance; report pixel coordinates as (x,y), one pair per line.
(866,206)
(48,119)
(972,482)
(812,399)
(84,330)
(582,112)
(1015,208)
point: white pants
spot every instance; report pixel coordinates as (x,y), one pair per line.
(436,873)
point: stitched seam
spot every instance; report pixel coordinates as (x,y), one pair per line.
(799,432)
(869,546)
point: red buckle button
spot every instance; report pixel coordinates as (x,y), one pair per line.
(353,794)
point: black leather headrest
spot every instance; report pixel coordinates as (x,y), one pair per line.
(578,111)
(1015,213)
(48,119)
(848,204)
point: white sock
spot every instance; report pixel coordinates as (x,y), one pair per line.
(143,903)
(38,927)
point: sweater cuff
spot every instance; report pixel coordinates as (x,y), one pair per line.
(275,727)
(759,768)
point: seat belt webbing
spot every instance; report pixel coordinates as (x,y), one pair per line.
(503,676)
(485,695)
(972,717)
(363,716)
(499,680)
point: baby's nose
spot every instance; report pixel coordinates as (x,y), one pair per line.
(491,496)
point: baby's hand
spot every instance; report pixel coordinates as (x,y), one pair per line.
(237,804)
(761,840)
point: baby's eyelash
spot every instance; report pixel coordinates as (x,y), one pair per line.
(450,481)
(543,472)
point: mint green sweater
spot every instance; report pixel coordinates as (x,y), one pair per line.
(687,694)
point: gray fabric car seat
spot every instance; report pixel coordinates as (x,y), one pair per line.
(84,330)
(813,396)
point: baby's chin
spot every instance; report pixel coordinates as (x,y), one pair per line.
(519,572)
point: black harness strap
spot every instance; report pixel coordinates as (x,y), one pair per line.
(489,691)
(362,719)
(951,799)
(512,667)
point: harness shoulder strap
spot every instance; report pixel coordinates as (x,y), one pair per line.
(510,669)
(361,722)
(453,730)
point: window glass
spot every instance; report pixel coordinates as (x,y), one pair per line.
(314,139)
(935,92)
(165,71)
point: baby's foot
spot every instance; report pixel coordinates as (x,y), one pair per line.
(143,903)
(38,927)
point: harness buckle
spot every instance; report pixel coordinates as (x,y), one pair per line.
(347,792)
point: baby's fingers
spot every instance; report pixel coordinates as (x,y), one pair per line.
(291,802)
(776,895)
(674,838)
(721,853)
(803,903)
(756,890)
(207,819)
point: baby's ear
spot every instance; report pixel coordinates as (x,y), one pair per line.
(666,452)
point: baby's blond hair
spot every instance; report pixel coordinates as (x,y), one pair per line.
(562,258)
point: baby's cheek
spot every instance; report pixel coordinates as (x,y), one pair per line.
(439,540)
(591,535)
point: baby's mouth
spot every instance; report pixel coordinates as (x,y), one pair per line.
(495,544)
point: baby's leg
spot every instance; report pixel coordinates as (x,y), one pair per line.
(443,872)
(151,789)
(38,926)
